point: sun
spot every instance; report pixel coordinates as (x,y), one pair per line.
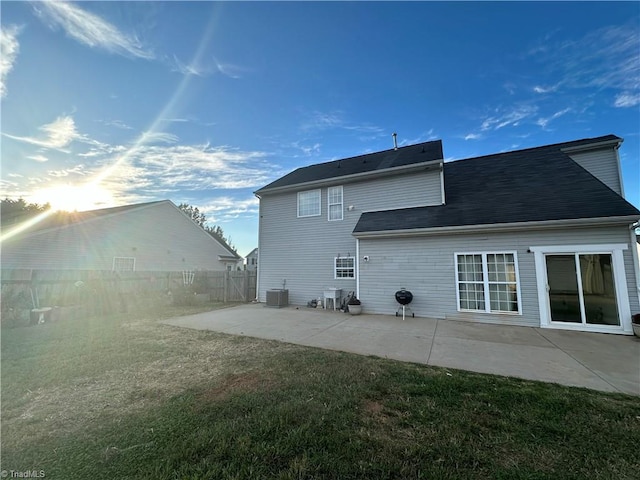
(72,198)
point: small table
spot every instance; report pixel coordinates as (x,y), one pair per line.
(334,295)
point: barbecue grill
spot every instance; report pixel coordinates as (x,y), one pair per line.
(404,298)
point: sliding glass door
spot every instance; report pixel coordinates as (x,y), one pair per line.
(581,288)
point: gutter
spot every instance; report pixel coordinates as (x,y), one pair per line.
(355,177)
(593,146)
(499,227)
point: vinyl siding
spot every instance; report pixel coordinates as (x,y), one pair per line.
(301,251)
(159,237)
(426,267)
(602,164)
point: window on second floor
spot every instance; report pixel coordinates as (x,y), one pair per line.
(309,203)
(334,202)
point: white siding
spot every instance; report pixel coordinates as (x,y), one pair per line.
(159,237)
(426,267)
(602,164)
(302,250)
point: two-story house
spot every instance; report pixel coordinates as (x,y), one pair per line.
(534,237)
(251,260)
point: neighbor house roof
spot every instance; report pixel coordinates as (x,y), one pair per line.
(360,165)
(65,219)
(534,185)
(62,219)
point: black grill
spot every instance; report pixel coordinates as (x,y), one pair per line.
(404,297)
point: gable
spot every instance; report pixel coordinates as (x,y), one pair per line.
(159,236)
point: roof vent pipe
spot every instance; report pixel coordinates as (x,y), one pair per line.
(395,140)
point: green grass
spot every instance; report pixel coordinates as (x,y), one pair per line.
(124,397)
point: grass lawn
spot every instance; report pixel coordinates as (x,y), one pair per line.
(122,397)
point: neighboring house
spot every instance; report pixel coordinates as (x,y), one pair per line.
(535,237)
(154,236)
(251,260)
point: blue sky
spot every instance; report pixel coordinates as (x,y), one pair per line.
(106,104)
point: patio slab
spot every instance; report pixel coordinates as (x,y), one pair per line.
(597,361)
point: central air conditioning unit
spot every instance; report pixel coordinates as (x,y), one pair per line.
(277,298)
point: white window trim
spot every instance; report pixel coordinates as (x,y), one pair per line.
(329,204)
(113,265)
(485,281)
(319,203)
(335,268)
(619,279)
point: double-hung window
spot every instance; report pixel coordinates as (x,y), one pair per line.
(345,267)
(309,203)
(334,201)
(488,282)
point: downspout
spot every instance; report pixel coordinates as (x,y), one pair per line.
(357,268)
(636,260)
(259,238)
(442,184)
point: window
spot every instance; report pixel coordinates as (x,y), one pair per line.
(124,264)
(309,203)
(334,201)
(488,282)
(345,267)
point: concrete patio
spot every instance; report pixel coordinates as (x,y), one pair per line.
(603,362)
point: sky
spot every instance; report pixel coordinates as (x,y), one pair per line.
(113,103)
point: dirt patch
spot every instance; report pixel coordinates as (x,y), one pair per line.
(237,383)
(372,407)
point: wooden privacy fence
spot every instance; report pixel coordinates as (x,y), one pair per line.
(36,288)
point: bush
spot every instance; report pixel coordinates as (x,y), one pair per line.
(15,305)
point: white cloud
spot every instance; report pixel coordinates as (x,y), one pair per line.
(118,124)
(512,117)
(627,99)
(89,29)
(606,58)
(539,89)
(543,122)
(57,134)
(427,136)
(9,48)
(230,70)
(473,136)
(157,137)
(187,69)
(157,171)
(321,121)
(77,170)
(222,209)
(39,158)
(335,120)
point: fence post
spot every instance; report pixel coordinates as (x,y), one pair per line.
(225,293)
(246,286)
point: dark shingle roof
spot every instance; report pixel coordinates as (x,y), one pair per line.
(403,156)
(538,184)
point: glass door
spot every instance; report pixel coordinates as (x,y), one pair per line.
(581,289)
